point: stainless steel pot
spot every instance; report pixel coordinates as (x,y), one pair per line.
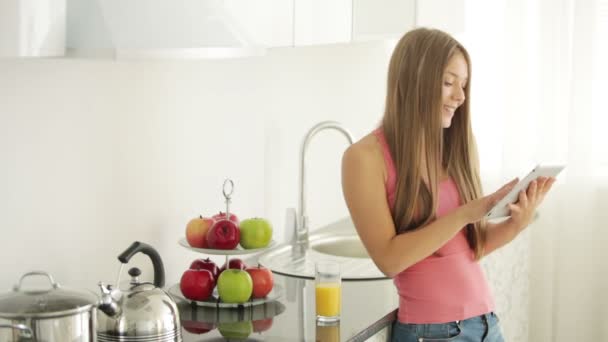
(51,315)
(25,333)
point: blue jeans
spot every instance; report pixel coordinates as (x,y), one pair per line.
(484,328)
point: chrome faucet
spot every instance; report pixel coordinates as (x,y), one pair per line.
(301,234)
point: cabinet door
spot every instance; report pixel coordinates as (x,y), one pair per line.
(279,23)
(31,28)
(446,15)
(322,22)
(382,19)
(269,23)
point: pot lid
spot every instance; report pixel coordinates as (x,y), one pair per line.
(52,302)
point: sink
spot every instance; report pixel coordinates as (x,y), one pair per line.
(349,246)
(336,242)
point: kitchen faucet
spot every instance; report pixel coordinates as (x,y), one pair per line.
(301,236)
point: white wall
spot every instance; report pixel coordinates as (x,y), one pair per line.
(96,154)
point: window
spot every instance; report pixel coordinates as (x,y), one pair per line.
(600,86)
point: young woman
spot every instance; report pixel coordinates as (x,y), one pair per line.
(412,188)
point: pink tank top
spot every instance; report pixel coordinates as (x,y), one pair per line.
(448,285)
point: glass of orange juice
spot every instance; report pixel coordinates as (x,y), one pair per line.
(328,291)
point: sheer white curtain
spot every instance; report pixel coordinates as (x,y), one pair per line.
(540,94)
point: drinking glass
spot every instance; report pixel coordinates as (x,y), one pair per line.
(328,291)
(327,331)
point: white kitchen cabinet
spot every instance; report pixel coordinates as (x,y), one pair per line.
(158,29)
(190,29)
(446,15)
(322,22)
(390,19)
(268,22)
(281,23)
(382,19)
(32,28)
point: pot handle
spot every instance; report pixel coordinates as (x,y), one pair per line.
(136,247)
(17,287)
(26,331)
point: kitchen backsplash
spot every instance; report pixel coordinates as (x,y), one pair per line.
(98,153)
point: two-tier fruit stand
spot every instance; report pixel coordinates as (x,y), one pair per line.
(214,300)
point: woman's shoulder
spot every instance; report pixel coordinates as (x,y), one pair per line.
(366,151)
(365,147)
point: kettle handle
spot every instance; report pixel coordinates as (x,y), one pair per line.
(136,247)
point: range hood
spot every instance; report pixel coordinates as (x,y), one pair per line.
(156,29)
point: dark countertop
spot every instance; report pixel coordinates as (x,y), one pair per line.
(367,307)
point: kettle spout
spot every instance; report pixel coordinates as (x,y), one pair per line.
(108,303)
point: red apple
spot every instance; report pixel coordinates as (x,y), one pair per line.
(222,216)
(224,234)
(196,231)
(197,284)
(261,325)
(262,281)
(234,263)
(197,327)
(206,264)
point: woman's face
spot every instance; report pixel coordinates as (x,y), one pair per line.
(455,78)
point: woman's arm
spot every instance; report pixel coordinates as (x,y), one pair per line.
(500,234)
(365,195)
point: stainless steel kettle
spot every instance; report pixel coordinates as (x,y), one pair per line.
(144,311)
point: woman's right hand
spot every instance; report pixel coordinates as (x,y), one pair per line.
(477,209)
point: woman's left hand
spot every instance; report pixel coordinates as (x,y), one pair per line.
(523,211)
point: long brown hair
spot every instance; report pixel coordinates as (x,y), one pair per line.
(415,135)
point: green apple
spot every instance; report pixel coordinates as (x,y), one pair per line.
(234,286)
(236,330)
(255,233)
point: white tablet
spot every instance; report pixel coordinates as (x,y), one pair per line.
(501,209)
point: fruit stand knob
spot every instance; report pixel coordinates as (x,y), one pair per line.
(228,189)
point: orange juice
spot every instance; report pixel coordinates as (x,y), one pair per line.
(327,299)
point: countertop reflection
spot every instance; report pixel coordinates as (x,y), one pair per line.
(367,307)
